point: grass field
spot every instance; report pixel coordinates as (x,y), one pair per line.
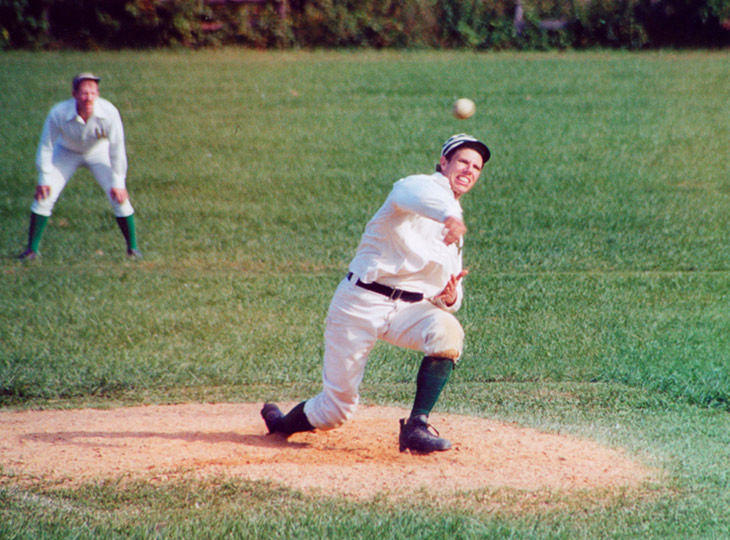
(598,299)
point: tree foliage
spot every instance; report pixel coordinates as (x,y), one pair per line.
(472,24)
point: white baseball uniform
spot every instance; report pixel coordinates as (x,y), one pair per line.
(402,247)
(67,143)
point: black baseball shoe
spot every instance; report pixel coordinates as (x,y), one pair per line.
(414,435)
(271,415)
(28,255)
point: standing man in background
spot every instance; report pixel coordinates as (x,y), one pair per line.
(403,286)
(85,131)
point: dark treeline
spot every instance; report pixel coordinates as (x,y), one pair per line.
(470,24)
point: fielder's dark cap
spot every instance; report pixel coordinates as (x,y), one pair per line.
(462,139)
(85,76)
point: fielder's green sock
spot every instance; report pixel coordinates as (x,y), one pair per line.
(431,379)
(126,224)
(35,231)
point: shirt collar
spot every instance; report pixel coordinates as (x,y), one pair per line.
(70,112)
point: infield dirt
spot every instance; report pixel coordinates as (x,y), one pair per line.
(360,459)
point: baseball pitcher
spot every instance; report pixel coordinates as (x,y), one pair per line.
(403,287)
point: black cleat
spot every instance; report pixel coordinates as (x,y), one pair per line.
(415,436)
(28,255)
(271,415)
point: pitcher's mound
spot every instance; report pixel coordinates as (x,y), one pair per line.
(360,459)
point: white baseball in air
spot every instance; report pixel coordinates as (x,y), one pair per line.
(464,108)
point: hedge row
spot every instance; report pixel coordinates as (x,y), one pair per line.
(474,24)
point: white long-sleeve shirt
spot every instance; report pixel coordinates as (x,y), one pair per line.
(403,244)
(103,132)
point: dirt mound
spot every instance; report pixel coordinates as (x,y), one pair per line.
(361,459)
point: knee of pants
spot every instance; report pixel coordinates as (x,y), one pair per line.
(329,411)
(446,339)
(44,207)
(122,210)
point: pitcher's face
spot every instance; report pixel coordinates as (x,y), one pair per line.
(462,170)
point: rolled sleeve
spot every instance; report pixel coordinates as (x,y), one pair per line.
(453,308)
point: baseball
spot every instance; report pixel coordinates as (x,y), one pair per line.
(464,108)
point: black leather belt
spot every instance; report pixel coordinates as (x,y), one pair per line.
(390,292)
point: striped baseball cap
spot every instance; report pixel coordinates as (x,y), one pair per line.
(455,141)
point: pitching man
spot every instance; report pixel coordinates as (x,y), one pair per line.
(403,287)
(85,131)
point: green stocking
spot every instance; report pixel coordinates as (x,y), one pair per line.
(126,224)
(431,379)
(35,231)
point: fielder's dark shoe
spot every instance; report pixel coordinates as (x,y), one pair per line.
(414,435)
(271,415)
(28,255)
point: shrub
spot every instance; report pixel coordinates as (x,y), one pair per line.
(261,27)
(172,22)
(23,23)
(371,23)
(90,24)
(686,23)
(608,23)
(473,24)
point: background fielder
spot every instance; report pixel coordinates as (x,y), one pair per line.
(403,287)
(85,131)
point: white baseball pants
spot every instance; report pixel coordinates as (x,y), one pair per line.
(65,164)
(357,318)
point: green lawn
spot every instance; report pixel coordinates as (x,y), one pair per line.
(598,299)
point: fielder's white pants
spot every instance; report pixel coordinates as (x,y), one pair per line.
(357,318)
(65,164)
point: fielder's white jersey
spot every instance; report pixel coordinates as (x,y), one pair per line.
(102,133)
(403,244)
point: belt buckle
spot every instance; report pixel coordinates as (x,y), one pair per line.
(396,294)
